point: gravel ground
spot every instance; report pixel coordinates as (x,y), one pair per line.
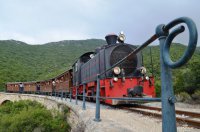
(115,120)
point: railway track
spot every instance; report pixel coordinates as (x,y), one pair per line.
(192,119)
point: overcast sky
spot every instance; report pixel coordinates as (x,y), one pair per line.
(42,21)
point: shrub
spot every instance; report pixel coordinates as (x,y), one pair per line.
(29,116)
(196,96)
(158,88)
(184,97)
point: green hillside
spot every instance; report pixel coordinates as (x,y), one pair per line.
(22,62)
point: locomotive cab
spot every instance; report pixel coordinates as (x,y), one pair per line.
(77,67)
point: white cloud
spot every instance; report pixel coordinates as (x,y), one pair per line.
(40,21)
(17,36)
(49,36)
(52,36)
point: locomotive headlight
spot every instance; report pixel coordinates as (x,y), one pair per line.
(147,78)
(115,79)
(121,37)
(143,70)
(117,70)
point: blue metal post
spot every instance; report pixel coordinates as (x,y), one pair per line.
(66,95)
(84,107)
(168,98)
(168,107)
(97,114)
(62,96)
(76,95)
(70,94)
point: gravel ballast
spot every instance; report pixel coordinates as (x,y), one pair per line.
(114,120)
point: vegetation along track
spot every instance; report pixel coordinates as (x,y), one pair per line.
(192,119)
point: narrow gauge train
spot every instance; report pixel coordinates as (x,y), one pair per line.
(127,79)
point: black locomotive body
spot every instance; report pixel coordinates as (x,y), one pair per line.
(90,64)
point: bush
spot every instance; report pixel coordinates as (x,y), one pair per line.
(158,88)
(196,96)
(184,97)
(29,116)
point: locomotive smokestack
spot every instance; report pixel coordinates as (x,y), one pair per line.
(111,39)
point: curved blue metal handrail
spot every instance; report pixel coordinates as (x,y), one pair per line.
(193,36)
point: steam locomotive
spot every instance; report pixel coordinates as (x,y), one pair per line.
(128,79)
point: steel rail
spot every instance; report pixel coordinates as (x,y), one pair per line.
(190,122)
(180,112)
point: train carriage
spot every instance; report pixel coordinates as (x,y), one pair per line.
(45,86)
(12,87)
(29,87)
(63,82)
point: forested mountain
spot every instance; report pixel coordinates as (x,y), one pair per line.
(22,62)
